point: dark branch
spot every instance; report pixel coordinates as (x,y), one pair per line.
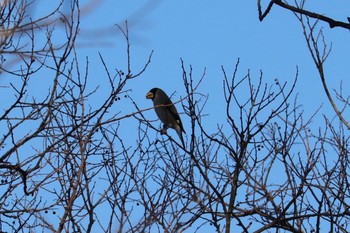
(332,23)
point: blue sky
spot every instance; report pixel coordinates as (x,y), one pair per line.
(210,34)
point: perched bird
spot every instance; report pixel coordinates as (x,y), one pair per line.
(166,111)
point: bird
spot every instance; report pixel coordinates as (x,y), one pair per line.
(166,111)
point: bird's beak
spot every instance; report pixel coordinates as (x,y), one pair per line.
(149,95)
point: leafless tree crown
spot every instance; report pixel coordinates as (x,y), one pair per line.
(66,166)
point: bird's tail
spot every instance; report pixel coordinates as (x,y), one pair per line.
(179,132)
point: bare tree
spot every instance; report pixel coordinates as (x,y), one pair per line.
(265,169)
(67,167)
(316,44)
(56,145)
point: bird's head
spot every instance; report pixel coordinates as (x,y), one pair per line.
(152,93)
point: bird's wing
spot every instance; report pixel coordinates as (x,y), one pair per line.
(175,114)
(172,109)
